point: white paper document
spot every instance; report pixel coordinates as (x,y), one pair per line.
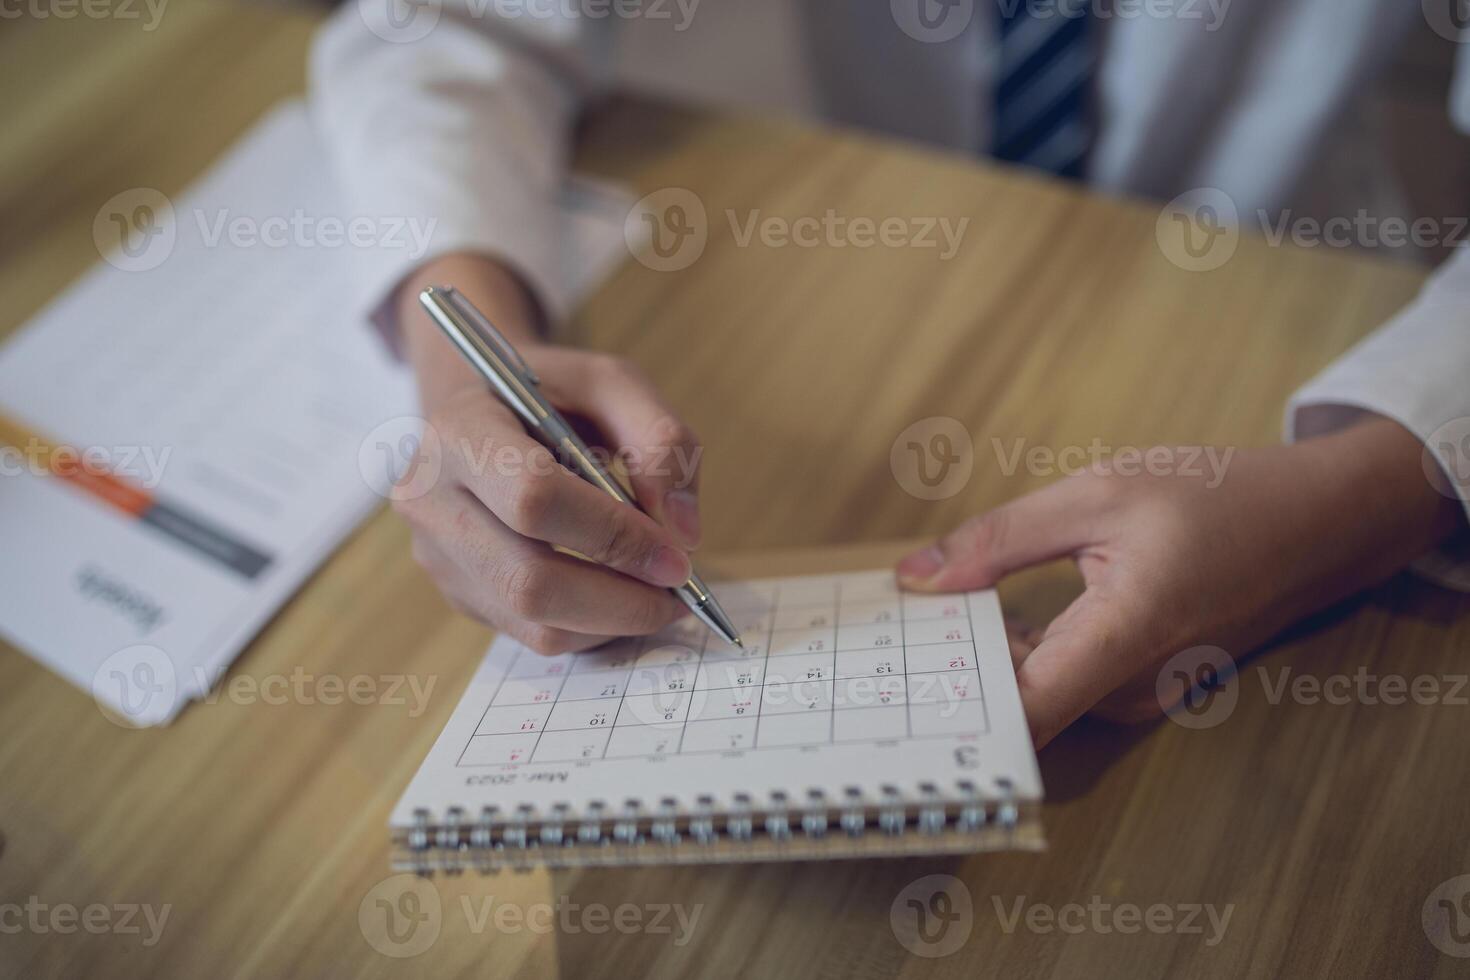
(242,413)
(848,697)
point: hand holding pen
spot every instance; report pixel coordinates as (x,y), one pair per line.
(486,528)
(519,388)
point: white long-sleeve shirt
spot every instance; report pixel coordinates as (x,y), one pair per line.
(463,111)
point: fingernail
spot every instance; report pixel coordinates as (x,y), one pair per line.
(682,510)
(668,567)
(920,566)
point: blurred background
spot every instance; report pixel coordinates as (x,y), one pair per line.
(58,64)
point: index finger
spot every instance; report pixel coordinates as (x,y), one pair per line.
(521,483)
(662,453)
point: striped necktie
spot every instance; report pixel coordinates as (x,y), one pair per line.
(1044,85)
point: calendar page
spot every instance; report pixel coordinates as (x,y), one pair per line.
(845,686)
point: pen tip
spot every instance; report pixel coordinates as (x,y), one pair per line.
(740,643)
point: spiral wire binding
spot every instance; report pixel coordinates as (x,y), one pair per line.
(666,833)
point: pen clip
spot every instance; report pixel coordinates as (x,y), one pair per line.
(488,332)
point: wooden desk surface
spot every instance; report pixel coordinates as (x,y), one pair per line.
(1322,828)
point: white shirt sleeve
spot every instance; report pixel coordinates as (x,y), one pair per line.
(1414,370)
(461,120)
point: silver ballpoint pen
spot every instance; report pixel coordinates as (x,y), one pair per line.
(513,380)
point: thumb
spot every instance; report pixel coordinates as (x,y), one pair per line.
(1047,524)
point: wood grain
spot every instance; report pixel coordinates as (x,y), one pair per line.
(1323,828)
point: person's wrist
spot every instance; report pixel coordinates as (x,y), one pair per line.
(1368,506)
(494,289)
(492,286)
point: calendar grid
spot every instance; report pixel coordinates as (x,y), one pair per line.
(770,639)
(816,646)
(684,729)
(541,729)
(940,737)
(979,685)
(623,696)
(836,627)
(495,694)
(903,643)
(737,687)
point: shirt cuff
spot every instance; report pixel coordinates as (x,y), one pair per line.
(1404,373)
(536,262)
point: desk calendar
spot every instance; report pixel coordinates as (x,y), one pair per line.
(856,719)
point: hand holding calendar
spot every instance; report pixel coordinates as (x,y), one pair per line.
(1175,564)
